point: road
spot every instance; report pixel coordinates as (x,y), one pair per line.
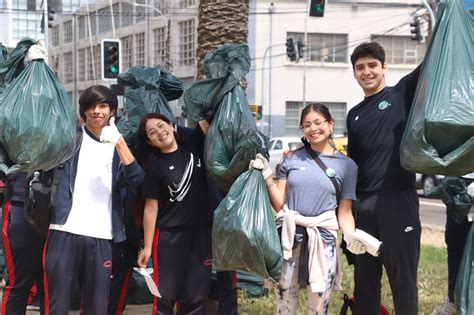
(432,213)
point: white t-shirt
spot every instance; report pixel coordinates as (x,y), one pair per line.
(91,212)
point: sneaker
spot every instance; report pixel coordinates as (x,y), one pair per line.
(33,306)
(445,308)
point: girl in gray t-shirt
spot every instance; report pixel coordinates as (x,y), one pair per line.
(303,186)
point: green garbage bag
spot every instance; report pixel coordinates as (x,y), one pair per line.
(453,192)
(244,234)
(38,121)
(150,90)
(3,56)
(233,138)
(464,290)
(439,135)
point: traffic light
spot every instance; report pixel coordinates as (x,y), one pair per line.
(50,17)
(184,114)
(290,49)
(415,29)
(317,8)
(110,58)
(300,49)
(259,113)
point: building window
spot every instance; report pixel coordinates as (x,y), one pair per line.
(55,36)
(186,43)
(105,20)
(160,5)
(140,11)
(67,31)
(293,111)
(93,22)
(55,64)
(127,51)
(183,4)
(116,14)
(81,26)
(401,49)
(68,71)
(159,46)
(323,47)
(81,62)
(90,64)
(127,14)
(140,49)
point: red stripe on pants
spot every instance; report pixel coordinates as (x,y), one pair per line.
(8,257)
(123,294)
(155,267)
(46,292)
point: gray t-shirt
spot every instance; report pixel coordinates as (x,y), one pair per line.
(309,190)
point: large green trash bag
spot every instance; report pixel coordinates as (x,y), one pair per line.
(3,57)
(453,192)
(233,138)
(244,234)
(439,135)
(38,128)
(150,90)
(464,290)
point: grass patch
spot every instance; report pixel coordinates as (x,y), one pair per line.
(432,288)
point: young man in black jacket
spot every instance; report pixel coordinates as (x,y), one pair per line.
(88,208)
(387,206)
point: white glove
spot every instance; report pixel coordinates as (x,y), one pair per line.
(110,133)
(34,53)
(261,163)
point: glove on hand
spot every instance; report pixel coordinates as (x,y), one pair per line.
(35,52)
(110,133)
(261,163)
(354,246)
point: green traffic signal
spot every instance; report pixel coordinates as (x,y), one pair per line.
(114,69)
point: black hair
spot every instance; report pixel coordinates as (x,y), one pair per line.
(94,95)
(318,108)
(372,49)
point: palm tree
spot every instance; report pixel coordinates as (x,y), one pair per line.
(220,22)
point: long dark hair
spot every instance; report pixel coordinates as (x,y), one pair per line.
(145,154)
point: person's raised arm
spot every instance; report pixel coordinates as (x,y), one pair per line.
(149,224)
(111,134)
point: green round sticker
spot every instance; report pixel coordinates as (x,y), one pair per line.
(330,172)
(383,105)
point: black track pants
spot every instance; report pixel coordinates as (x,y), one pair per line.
(69,258)
(393,218)
(182,269)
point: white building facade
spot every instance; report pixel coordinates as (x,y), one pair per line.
(277,84)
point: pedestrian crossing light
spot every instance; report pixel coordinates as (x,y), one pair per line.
(259,113)
(290,49)
(110,51)
(316,8)
(417,33)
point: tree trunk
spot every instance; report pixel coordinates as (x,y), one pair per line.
(220,22)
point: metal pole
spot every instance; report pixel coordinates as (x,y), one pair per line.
(147,35)
(431,13)
(304,57)
(271,10)
(74,98)
(45,26)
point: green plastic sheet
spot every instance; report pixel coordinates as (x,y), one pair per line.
(439,135)
(37,119)
(244,234)
(464,291)
(150,90)
(233,138)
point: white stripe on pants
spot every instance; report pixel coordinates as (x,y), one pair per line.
(288,288)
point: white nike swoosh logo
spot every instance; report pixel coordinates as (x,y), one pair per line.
(409,228)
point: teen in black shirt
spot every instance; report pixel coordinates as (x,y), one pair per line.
(177,220)
(387,204)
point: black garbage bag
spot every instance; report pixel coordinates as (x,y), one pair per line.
(150,90)
(233,138)
(453,192)
(464,290)
(439,135)
(37,118)
(244,234)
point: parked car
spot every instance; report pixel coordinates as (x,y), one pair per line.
(280,145)
(427,182)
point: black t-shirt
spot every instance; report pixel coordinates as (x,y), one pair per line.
(178,181)
(375,127)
